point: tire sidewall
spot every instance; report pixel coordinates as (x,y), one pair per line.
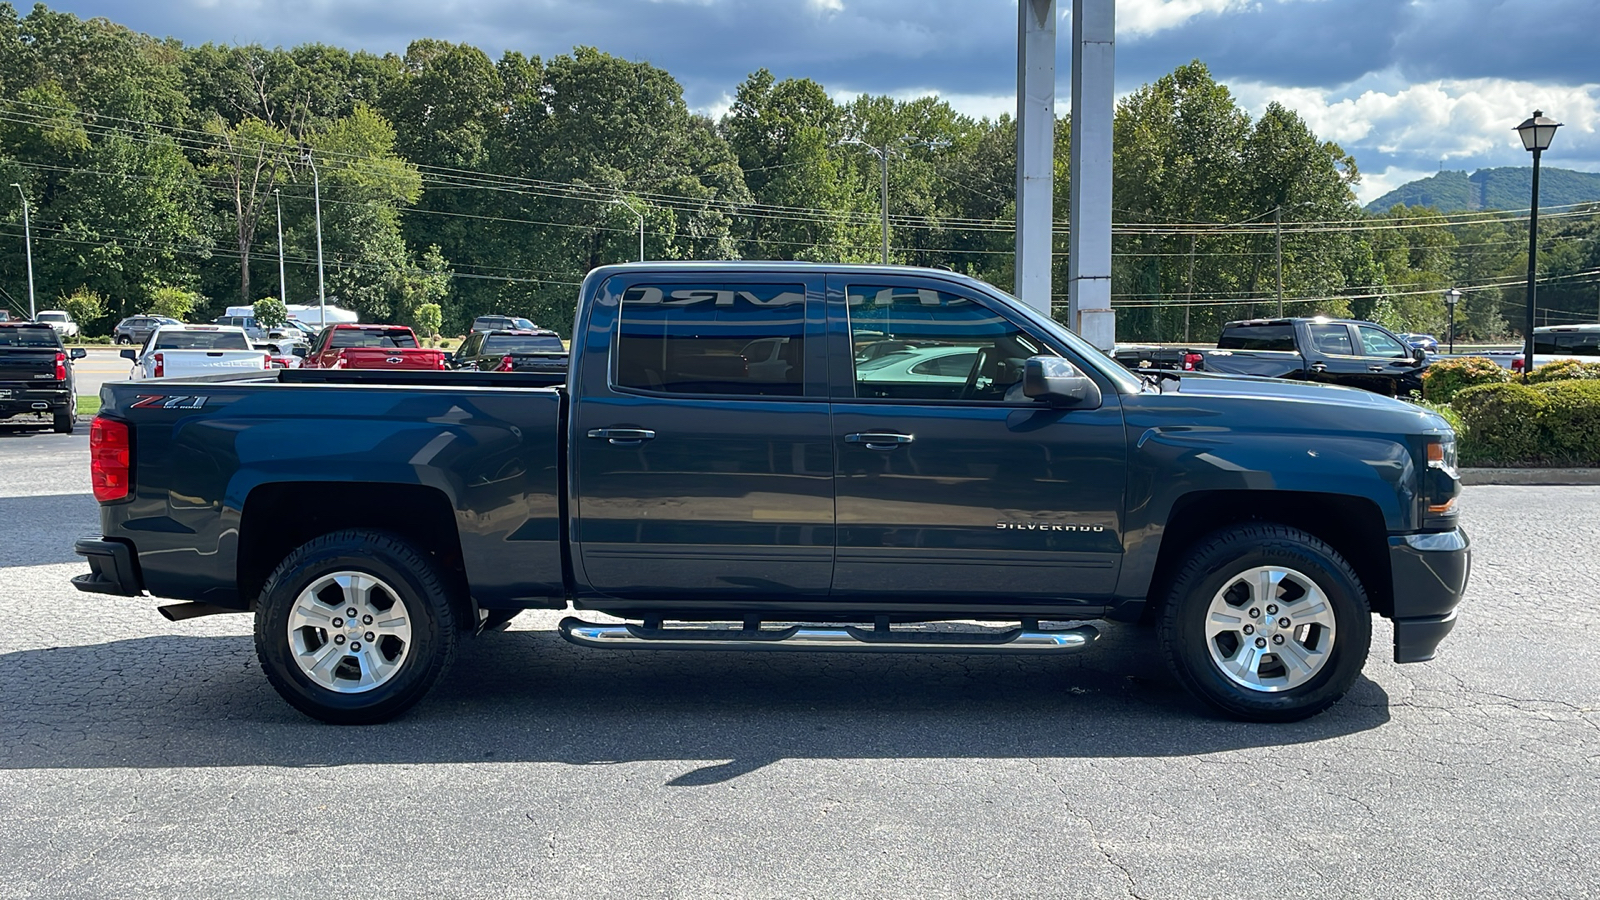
(307,565)
(1189,651)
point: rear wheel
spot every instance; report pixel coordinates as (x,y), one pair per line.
(1266,623)
(65,421)
(355,627)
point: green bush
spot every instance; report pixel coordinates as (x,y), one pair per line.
(1565,370)
(1571,421)
(86,308)
(1503,423)
(270,312)
(1443,380)
(173,302)
(1444,409)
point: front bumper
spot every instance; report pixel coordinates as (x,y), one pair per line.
(113,568)
(1430,577)
(19,399)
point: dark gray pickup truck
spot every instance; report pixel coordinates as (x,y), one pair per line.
(36,375)
(823,458)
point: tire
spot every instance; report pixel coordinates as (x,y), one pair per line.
(1223,632)
(65,421)
(124,339)
(316,665)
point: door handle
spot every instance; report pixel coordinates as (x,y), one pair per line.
(1319,368)
(1374,368)
(878,440)
(623,437)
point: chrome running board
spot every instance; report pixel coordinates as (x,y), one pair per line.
(846,638)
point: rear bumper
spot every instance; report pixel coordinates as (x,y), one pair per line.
(1430,577)
(113,568)
(17,399)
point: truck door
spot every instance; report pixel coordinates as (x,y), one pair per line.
(951,485)
(697,475)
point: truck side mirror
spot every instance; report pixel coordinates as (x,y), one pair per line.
(298,350)
(129,354)
(1056,381)
(79,353)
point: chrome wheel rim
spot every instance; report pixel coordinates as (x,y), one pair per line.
(1270,629)
(349,632)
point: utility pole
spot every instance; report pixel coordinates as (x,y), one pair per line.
(322,291)
(283,287)
(1190,300)
(1277,224)
(629,207)
(883,156)
(27,242)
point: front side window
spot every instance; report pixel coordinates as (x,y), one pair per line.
(712,339)
(1376,343)
(924,344)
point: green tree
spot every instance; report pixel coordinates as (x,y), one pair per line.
(270,312)
(173,302)
(87,308)
(427,320)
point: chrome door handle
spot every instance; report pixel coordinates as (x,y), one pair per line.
(623,437)
(1374,368)
(1319,368)
(878,440)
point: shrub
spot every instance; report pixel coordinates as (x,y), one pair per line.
(86,307)
(270,312)
(1448,377)
(1571,421)
(428,319)
(1503,422)
(1565,370)
(1444,409)
(173,302)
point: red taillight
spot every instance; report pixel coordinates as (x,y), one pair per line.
(505,364)
(1191,361)
(61,367)
(110,459)
(266,360)
(161,366)
(1516,364)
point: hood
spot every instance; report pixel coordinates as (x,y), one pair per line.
(1292,405)
(1247,386)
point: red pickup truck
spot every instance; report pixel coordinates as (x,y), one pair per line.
(370,347)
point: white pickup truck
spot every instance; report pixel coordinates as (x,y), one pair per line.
(185,351)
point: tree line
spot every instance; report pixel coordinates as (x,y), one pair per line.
(157,175)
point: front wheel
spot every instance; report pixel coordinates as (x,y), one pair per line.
(354,627)
(1266,623)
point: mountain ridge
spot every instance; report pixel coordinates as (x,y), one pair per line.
(1502,187)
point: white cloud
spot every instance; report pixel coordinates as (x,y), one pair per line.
(1141,17)
(826,6)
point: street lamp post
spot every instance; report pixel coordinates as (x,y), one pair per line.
(27,242)
(883,158)
(1536,134)
(283,287)
(629,207)
(1451,298)
(316,193)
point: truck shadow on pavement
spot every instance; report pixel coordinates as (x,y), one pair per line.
(528,696)
(48,525)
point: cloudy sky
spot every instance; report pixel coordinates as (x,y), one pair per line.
(1405,85)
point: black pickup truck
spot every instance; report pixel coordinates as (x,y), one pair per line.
(931,450)
(36,375)
(1330,351)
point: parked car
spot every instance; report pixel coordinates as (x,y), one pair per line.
(5,314)
(1258,522)
(36,374)
(136,329)
(370,347)
(503,323)
(277,356)
(1330,351)
(176,351)
(1427,343)
(60,320)
(511,351)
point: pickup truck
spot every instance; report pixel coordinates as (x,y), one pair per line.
(665,480)
(1331,351)
(521,350)
(176,351)
(36,374)
(388,347)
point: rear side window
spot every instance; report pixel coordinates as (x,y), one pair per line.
(1567,343)
(522,343)
(200,340)
(692,339)
(1257,337)
(1334,340)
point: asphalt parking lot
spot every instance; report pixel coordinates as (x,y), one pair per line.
(144,758)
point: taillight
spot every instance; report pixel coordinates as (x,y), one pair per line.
(266,360)
(110,459)
(505,364)
(1191,361)
(161,366)
(61,366)
(1516,364)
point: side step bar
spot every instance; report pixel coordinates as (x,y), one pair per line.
(837,638)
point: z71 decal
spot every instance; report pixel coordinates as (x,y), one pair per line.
(162,401)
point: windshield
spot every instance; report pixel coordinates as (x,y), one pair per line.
(522,343)
(393,338)
(52,317)
(200,340)
(38,336)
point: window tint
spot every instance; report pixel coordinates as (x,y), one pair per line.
(1376,343)
(1333,340)
(40,336)
(522,343)
(1257,337)
(361,337)
(1568,343)
(691,338)
(200,340)
(926,344)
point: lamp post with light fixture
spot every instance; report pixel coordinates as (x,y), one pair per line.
(1451,298)
(1536,134)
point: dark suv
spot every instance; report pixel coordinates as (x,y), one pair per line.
(136,329)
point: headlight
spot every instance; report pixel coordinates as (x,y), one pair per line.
(1441,484)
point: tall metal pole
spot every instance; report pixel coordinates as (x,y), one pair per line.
(283,287)
(322,290)
(1036,144)
(1533,254)
(1277,222)
(27,243)
(1093,108)
(883,156)
(629,207)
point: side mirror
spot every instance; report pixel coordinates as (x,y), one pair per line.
(79,353)
(129,354)
(1053,379)
(298,350)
